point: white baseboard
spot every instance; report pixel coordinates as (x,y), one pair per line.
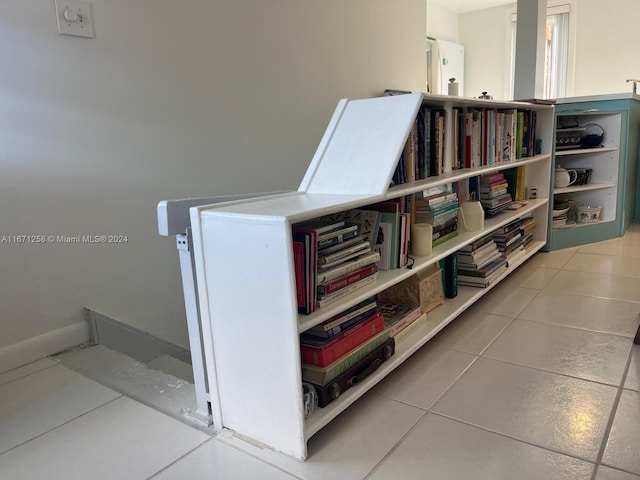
(50,343)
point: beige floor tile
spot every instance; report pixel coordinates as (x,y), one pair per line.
(529,276)
(596,285)
(592,356)
(216,459)
(633,375)
(424,377)
(38,403)
(589,313)
(444,449)
(351,445)
(563,414)
(609,264)
(607,473)
(555,259)
(505,302)
(25,370)
(122,439)
(471,332)
(623,446)
(616,246)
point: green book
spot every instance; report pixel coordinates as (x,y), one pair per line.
(323,375)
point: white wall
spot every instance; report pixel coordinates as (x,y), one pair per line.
(170,100)
(607,50)
(442,23)
(483,34)
(605,55)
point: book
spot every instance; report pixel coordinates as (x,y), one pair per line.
(337,262)
(477,243)
(305,247)
(338,283)
(398,316)
(333,297)
(325,257)
(478,254)
(483,282)
(488,269)
(337,235)
(412,327)
(323,352)
(319,226)
(368,222)
(361,310)
(323,375)
(348,266)
(444,238)
(494,255)
(451,275)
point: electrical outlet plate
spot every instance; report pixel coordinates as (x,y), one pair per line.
(74,18)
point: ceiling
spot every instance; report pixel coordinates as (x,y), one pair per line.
(461,6)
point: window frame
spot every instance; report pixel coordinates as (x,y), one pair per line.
(553,8)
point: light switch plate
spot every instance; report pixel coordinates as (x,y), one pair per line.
(74,18)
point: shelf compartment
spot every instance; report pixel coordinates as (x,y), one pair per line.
(387,278)
(579,151)
(580,225)
(437,319)
(460,174)
(583,188)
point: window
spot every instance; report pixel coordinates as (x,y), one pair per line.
(557,66)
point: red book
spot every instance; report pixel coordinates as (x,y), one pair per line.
(322,353)
(492,178)
(338,283)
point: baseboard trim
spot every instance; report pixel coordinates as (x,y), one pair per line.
(35,348)
(135,343)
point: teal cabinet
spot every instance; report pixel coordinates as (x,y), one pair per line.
(607,174)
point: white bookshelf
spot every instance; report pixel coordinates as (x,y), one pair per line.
(245,270)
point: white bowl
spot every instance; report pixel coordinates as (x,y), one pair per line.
(557,213)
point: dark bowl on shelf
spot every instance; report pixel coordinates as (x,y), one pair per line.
(594,135)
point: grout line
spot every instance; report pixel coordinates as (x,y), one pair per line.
(576,327)
(504,435)
(550,372)
(56,364)
(395,446)
(612,415)
(180,458)
(62,424)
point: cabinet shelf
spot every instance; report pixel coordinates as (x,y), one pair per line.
(437,319)
(579,151)
(461,174)
(580,225)
(387,278)
(607,166)
(583,188)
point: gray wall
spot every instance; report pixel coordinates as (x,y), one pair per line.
(169,100)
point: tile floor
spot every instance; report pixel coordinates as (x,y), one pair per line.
(539,380)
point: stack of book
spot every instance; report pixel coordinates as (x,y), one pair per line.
(480,263)
(494,193)
(509,240)
(342,343)
(527,228)
(331,259)
(441,211)
(398,317)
